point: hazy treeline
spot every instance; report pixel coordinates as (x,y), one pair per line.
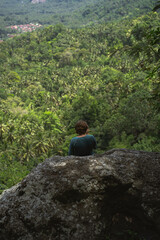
(71,13)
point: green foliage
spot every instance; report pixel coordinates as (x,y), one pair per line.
(147,143)
(123,141)
(71,13)
(11,172)
(157,6)
(107,74)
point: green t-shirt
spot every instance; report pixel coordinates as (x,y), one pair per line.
(82,146)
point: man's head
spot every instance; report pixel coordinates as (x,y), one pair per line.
(81,127)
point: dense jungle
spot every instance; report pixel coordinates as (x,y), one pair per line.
(71,13)
(107,74)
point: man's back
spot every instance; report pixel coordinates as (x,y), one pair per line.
(82,146)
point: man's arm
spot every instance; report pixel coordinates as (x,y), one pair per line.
(94,143)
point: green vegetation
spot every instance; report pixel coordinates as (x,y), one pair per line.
(107,74)
(71,13)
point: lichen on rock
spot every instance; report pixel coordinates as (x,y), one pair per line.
(113,196)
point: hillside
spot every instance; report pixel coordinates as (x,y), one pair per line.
(106,74)
(72,13)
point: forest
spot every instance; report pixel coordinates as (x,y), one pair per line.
(107,74)
(71,13)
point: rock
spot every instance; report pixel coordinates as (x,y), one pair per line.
(38,1)
(114,196)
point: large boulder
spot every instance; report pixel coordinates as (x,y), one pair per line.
(114,196)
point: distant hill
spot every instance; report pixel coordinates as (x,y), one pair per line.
(72,13)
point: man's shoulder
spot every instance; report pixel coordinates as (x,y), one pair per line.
(90,136)
(73,139)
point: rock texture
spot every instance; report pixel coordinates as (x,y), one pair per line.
(114,196)
(38,1)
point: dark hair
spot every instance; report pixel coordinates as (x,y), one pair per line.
(81,127)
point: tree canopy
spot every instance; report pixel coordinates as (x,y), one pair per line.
(106,74)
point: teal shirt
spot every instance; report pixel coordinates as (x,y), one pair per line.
(82,146)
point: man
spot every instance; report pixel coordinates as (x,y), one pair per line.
(83,144)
